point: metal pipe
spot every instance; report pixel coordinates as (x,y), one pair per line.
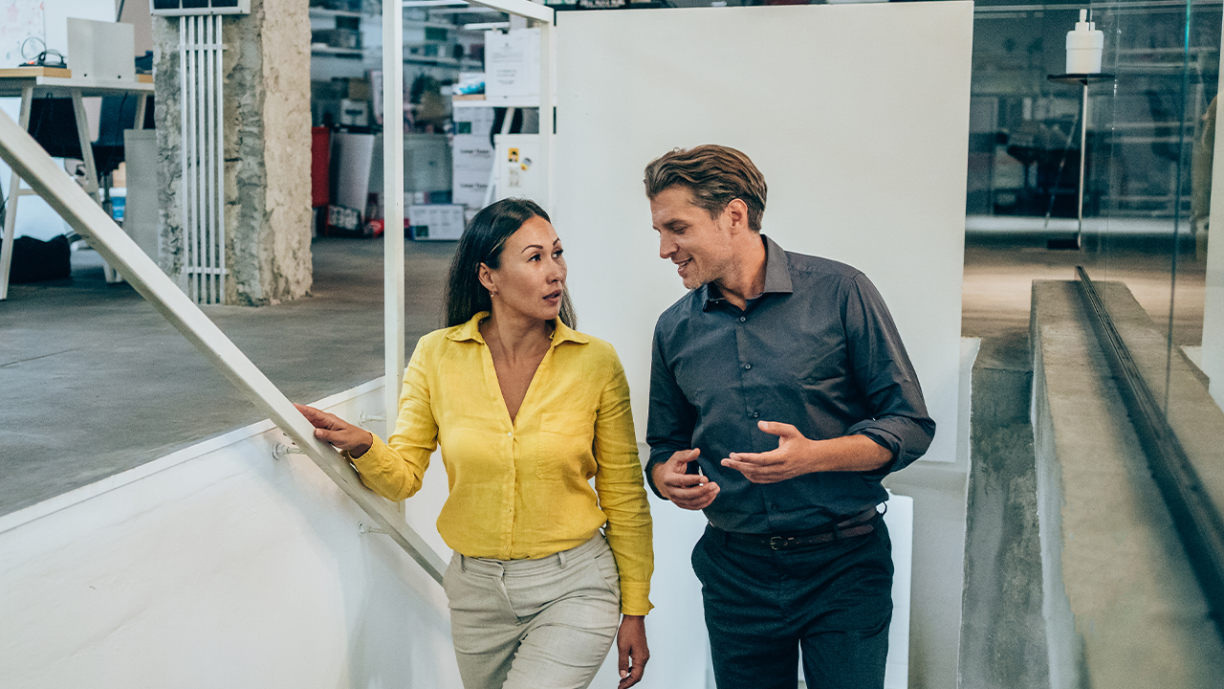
(206,151)
(220,60)
(188,124)
(206,254)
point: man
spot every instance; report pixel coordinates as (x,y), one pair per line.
(780,396)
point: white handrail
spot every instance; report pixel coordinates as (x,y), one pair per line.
(32,163)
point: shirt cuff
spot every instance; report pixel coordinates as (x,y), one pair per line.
(635,598)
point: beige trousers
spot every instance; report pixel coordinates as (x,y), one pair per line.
(534,624)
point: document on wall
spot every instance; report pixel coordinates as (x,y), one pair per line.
(512,64)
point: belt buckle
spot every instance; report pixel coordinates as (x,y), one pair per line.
(778,542)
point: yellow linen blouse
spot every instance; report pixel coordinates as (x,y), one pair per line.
(521,489)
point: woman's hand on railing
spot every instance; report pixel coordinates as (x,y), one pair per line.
(337,432)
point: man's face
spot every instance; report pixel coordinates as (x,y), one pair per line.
(699,245)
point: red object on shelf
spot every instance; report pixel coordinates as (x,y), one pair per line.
(320,162)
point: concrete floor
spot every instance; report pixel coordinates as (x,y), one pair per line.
(1000,269)
(95,382)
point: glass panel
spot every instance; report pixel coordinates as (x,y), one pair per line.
(1152,127)
(1146,175)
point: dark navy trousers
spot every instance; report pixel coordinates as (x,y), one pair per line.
(833,600)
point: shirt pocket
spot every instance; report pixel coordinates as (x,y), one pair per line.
(565,446)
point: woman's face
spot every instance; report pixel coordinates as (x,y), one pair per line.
(531,279)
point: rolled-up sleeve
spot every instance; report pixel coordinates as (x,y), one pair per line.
(394,468)
(899,420)
(622,497)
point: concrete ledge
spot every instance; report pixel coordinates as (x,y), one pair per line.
(1121,605)
(1195,417)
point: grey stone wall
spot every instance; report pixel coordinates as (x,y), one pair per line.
(267,151)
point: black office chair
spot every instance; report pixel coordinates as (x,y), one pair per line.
(53,125)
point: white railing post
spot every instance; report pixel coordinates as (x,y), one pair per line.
(546,111)
(393,208)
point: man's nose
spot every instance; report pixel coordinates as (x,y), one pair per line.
(666,247)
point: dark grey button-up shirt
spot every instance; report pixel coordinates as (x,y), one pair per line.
(818,350)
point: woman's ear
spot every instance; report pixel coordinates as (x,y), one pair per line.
(485,274)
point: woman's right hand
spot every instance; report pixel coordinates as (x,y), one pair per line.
(337,432)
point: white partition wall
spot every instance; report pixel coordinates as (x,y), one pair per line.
(857,116)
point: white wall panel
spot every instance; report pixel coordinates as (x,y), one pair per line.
(218,566)
(857,115)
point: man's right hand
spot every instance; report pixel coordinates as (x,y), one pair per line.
(690,491)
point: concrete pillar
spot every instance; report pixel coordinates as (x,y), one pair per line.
(267,151)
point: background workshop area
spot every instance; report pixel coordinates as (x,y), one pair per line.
(223,206)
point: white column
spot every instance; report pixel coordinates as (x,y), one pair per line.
(393,207)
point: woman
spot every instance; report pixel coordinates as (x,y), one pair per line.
(527,411)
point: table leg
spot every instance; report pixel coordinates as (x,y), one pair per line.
(142,102)
(10,210)
(91,168)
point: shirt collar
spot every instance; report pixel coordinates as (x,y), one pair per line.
(777,276)
(470,331)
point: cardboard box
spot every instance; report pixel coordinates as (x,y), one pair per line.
(473,164)
(435,222)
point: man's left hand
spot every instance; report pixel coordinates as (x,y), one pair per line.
(791,459)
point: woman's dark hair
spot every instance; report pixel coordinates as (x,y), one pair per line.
(482,242)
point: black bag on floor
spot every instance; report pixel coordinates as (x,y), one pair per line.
(35,260)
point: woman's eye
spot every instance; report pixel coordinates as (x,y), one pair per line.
(534,257)
(558,252)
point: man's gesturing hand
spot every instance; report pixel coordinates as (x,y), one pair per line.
(336,431)
(791,459)
(690,491)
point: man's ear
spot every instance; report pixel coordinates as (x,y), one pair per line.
(736,213)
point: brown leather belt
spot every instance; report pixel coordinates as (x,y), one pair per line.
(857,525)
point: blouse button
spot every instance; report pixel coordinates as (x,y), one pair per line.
(510,435)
